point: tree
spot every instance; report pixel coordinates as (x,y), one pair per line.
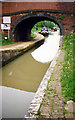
(44,23)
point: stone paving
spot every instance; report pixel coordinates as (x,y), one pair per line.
(52,105)
(21,45)
(53,102)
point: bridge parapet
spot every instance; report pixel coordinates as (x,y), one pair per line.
(56,10)
(20,6)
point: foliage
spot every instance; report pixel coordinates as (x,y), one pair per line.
(67,74)
(61,17)
(4,41)
(40,25)
(73,25)
(52,105)
(44,23)
(62,23)
(32,33)
(38,112)
(64,111)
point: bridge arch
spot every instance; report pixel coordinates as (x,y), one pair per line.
(22,27)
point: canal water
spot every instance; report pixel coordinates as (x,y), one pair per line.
(20,80)
(21,77)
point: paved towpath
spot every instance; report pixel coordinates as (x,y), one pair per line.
(53,102)
(22,45)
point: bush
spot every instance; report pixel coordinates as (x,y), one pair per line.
(4,40)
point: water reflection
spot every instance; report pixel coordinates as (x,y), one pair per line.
(24,73)
(21,75)
(46,52)
(15,102)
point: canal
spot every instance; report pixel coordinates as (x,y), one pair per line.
(20,80)
(21,77)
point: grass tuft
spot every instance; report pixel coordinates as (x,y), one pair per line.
(38,112)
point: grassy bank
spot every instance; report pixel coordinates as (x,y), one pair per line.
(34,30)
(5,41)
(32,33)
(67,80)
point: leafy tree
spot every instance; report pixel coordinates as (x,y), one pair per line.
(44,23)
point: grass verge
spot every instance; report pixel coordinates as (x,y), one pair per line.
(67,81)
(4,40)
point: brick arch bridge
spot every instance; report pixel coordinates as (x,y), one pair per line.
(24,15)
(21,30)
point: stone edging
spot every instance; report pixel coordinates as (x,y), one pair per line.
(9,54)
(36,102)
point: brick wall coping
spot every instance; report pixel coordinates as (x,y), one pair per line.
(37,10)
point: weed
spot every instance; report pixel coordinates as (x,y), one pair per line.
(51,115)
(49,93)
(47,87)
(73,25)
(64,111)
(72,112)
(62,23)
(54,90)
(49,80)
(47,103)
(51,89)
(61,17)
(48,97)
(59,98)
(38,112)
(52,105)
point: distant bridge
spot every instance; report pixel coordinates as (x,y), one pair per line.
(24,15)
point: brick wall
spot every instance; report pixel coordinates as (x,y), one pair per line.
(9,7)
(69,19)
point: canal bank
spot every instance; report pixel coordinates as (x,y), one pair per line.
(51,48)
(38,99)
(48,102)
(39,96)
(10,52)
(22,75)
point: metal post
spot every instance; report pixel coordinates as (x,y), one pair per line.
(8,34)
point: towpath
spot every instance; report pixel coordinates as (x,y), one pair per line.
(53,102)
(22,45)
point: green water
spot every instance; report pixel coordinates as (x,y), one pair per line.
(20,79)
(24,73)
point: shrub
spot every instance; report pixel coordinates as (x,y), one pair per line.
(4,40)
